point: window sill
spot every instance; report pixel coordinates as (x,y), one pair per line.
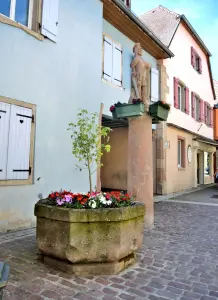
(6,20)
(16,182)
(112,84)
(181,169)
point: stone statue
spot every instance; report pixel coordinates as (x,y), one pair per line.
(140,77)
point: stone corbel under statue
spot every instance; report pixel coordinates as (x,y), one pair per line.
(140,77)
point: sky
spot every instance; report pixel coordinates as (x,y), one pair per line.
(202,14)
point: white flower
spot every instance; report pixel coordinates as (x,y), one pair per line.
(102,199)
(108,202)
(92,204)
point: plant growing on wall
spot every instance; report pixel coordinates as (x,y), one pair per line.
(86,147)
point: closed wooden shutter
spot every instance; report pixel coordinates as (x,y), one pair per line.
(155,85)
(4,133)
(201,110)
(187,100)
(193,104)
(108,59)
(192,57)
(200,65)
(18,167)
(117,64)
(205,112)
(176,103)
(50,19)
(211,117)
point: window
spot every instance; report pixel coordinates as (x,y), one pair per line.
(198,108)
(196,61)
(18,10)
(127,2)
(181,153)
(16,156)
(112,65)
(181,96)
(29,13)
(208,114)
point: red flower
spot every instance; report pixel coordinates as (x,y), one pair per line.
(112,108)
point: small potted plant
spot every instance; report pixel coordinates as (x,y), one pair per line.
(159,110)
(94,232)
(125,110)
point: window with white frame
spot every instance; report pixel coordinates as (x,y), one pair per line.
(112,64)
(17,10)
(181,153)
(15,142)
(27,13)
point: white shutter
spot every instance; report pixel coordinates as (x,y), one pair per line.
(155,83)
(19,143)
(4,132)
(50,19)
(108,59)
(117,64)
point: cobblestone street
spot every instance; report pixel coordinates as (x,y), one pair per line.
(179,260)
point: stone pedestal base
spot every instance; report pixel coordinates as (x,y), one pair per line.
(140,164)
(90,268)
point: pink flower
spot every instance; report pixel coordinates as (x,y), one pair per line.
(60,201)
(68,198)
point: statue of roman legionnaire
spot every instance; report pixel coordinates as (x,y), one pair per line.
(140,76)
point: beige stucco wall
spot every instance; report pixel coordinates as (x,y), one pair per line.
(114,170)
(178,179)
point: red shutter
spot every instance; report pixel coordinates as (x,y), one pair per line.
(192,57)
(211,117)
(200,65)
(201,110)
(193,105)
(205,113)
(187,100)
(176,103)
(128,3)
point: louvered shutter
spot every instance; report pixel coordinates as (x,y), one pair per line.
(176,103)
(155,85)
(200,65)
(4,133)
(117,64)
(108,59)
(205,112)
(192,57)
(193,104)
(211,117)
(19,143)
(50,19)
(187,100)
(201,110)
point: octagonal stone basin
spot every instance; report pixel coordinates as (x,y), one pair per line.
(89,241)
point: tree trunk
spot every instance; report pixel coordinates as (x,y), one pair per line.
(90,177)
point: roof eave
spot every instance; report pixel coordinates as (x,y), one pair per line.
(136,20)
(183,17)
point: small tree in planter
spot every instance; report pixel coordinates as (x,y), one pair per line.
(86,148)
(95,232)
